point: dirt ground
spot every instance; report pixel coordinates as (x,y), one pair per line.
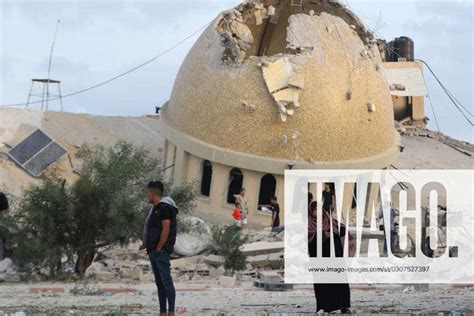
(204,298)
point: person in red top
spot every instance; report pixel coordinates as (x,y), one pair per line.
(236,214)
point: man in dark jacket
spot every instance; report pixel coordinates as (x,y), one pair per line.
(159,237)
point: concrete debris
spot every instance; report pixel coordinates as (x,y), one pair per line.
(273,260)
(296,81)
(409,128)
(238,31)
(216,272)
(296,135)
(227,281)
(271,281)
(214,260)
(270,277)
(109,263)
(137,274)
(193,270)
(277,74)
(371,107)
(262,247)
(248,106)
(5,265)
(258,17)
(302,41)
(236,36)
(195,241)
(271,11)
(397,87)
(232,52)
(182,262)
(284,85)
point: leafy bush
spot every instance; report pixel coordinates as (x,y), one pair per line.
(227,243)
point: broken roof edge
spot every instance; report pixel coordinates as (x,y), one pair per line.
(236,37)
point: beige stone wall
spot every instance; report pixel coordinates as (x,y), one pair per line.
(216,203)
(418,108)
(169,155)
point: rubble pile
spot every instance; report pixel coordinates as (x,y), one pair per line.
(248,32)
(414,131)
(264,252)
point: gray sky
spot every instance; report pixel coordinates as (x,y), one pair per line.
(102,38)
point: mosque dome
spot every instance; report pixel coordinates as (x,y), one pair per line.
(298,81)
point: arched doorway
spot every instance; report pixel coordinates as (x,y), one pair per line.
(267,189)
(236,179)
(206,178)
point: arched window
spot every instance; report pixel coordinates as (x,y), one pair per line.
(206,178)
(236,178)
(267,189)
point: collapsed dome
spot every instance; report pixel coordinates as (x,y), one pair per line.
(294,82)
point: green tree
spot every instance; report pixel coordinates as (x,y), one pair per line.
(105,206)
(227,243)
(42,223)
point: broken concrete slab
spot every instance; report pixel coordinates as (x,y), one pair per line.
(214,260)
(283,84)
(277,74)
(274,260)
(195,241)
(270,277)
(262,247)
(181,262)
(296,81)
(216,272)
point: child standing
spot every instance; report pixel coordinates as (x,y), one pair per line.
(236,214)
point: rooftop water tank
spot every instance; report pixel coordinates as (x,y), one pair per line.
(403,47)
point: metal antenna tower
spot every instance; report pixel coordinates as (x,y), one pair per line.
(46,95)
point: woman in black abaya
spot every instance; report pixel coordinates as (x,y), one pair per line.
(329,297)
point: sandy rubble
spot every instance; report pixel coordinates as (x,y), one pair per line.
(208,298)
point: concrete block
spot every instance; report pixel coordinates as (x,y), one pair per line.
(136,274)
(262,247)
(181,262)
(270,277)
(214,260)
(227,281)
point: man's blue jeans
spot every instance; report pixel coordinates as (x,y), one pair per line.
(160,263)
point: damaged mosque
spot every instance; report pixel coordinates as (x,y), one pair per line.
(274,85)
